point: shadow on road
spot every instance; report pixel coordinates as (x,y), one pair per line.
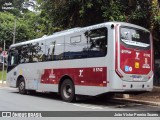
(46,95)
(101,101)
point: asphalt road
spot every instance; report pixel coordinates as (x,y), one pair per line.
(11,100)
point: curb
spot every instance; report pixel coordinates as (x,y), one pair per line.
(139,101)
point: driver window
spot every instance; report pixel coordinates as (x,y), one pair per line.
(13,58)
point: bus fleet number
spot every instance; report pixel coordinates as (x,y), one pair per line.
(97,69)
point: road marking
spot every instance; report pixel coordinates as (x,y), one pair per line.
(9,88)
(88,106)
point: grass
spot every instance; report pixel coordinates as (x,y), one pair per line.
(4,73)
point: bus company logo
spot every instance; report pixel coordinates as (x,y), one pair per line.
(126,51)
(52,75)
(136,64)
(80,73)
(137,56)
(128,69)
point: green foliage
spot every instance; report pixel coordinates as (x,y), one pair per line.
(4,74)
(114,10)
(27,27)
(63,14)
(6,27)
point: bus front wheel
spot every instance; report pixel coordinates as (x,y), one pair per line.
(21,86)
(67,91)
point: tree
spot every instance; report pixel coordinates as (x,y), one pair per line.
(72,13)
(6,28)
(28,24)
(27,27)
(155,26)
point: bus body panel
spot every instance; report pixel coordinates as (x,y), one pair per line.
(91,75)
(133,64)
(119,85)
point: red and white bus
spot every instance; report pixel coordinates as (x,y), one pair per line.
(103,58)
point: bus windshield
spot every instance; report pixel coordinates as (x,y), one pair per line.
(135,37)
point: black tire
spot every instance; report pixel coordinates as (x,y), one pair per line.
(21,86)
(67,91)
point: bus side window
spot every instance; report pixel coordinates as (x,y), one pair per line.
(12,60)
(38,52)
(55,49)
(75,47)
(97,42)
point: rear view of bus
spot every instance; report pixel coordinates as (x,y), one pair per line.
(133,59)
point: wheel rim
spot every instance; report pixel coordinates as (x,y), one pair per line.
(21,87)
(67,91)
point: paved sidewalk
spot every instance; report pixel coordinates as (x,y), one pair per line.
(150,98)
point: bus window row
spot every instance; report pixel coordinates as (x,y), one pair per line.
(90,44)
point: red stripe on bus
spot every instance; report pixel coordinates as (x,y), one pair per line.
(94,76)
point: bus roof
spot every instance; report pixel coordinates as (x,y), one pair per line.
(74,30)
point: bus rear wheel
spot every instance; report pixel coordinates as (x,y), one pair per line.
(21,86)
(67,91)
